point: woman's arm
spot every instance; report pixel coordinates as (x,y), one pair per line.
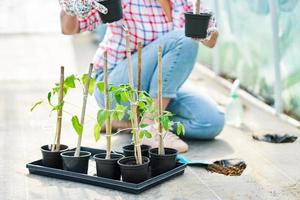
(69,24)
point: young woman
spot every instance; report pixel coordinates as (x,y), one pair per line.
(154,23)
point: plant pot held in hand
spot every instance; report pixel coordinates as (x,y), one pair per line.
(133,173)
(115,11)
(196,25)
(128,150)
(108,168)
(76,164)
(52,158)
(162,163)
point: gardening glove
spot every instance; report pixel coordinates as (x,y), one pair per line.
(81,8)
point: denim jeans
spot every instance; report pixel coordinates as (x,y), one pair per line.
(199,114)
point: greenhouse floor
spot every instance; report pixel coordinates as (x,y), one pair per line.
(30,65)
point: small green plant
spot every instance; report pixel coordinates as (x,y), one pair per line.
(163,117)
(106,114)
(60,90)
(88,84)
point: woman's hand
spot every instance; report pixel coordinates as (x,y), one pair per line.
(69,24)
(212,38)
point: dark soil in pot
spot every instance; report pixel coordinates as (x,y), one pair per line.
(108,168)
(162,163)
(52,158)
(115,11)
(196,24)
(133,173)
(128,150)
(76,164)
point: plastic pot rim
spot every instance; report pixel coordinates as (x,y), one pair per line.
(60,151)
(87,154)
(104,154)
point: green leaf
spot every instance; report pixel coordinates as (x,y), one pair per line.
(141,104)
(58,106)
(180,129)
(102,116)
(77,126)
(144,125)
(35,105)
(97,130)
(91,85)
(100,86)
(141,134)
(70,81)
(118,98)
(165,122)
(124,97)
(49,98)
(115,115)
(120,111)
(145,133)
(148,134)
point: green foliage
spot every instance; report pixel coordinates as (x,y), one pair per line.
(100,86)
(145,133)
(35,105)
(58,106)
(145,104)
(102,116)
(97,129)
(119,112)
(70,82)
(91,85)
(77,126)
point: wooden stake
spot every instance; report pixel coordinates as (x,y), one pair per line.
(107,107)
(161,149)
(198,3)
(134,121)
(139,78)
(56,146)
(128,55)
(85,96)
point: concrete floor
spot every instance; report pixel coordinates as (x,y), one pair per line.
(30,58)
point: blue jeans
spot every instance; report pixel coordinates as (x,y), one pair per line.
(199,114)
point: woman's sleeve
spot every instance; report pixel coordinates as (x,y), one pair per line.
(90,22)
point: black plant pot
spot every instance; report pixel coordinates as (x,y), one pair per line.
(162,163)
(133,173)
(128,150)
(108,168)
(115,11)
(76,164)
(52,158)
(196,24)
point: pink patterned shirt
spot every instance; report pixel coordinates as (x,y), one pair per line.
(145,20)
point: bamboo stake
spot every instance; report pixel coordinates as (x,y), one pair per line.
(85,95)
(198,3)
(161,149)
(139,78)
(56,146)
(128,54)
(107,107)
(134,122)
(139,50)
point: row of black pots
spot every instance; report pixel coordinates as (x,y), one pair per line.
(118,165)
(195,24)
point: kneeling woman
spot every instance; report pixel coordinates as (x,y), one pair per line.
(156,23)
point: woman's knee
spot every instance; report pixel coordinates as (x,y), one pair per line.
(208,130)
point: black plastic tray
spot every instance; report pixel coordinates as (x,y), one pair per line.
(37,167)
